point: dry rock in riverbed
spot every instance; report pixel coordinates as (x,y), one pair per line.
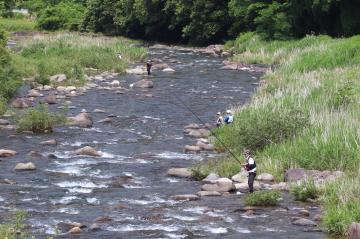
(220,185)
(25,166)
(192,148)
(304,222)
(179,172)
(241,177)
(144,84)
(7,153)
(205,146)
(82,120)
(49,142)
(265,177)
(139,70)
(21,103)
(304,213)
(89,151)
(198,133)
(75,230)
(168,70)
(353,231)
(34,93)
(58,78)
(185,197)
(208,193)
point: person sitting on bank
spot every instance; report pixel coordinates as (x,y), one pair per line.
(148,66)
(229,118)
(219,120)
(250,166)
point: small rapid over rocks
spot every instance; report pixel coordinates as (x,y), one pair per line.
(110,179)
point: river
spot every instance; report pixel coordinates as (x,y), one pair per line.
(143,141)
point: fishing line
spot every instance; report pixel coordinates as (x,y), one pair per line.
(212,133)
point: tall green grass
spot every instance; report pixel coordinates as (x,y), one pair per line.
(318,78)
(69,53)
(16,24)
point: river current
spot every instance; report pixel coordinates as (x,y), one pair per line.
(144,140)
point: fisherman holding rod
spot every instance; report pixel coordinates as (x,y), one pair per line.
(250,166)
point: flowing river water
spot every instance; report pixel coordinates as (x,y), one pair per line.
(143,141)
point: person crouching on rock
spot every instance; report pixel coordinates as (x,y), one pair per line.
(250,166)
(219,120)
(229,118)
(148,66)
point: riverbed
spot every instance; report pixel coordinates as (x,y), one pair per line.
(143,141)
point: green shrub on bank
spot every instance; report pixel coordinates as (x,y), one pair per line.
(16,25)
(305,190)
(263,198)
(39,120)
(10,230)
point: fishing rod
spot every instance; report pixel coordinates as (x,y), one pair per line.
(212,133)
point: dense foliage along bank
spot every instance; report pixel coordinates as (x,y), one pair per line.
(198,21)
(305,114)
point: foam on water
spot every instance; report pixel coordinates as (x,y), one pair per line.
(184,218)
(212,229)
(254,216)
(150,117)
(175,155)
(67,210)
(242,230)
(93,201)
(150,200)
(80,190)
(81,184)
(154,227)
(2,199)
(71,170)
(175,236)
(64,200)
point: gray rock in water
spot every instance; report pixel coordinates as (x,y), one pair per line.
(304,222)
(205,146)
(49,99)
(221,185)
(179,172)
(67,226)
(75,230)
(241,177)
(58,78)
(89,151)
(211,178)
(82,120)
(265,177)
(102,219)
(185,197)
(49,142)
(353,231)
(95,227)
(25,166)
(4,122)
(208,193)
(7,153)
(144,84)
(192,148)
(21,103)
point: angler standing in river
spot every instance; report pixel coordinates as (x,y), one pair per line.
(148,67)
(250,166)
(219,120)
(229,118)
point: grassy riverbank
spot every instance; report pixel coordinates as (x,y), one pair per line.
(17,24)
(305,114)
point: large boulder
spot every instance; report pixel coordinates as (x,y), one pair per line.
(320,177)
(34,93)
(82,120)
(144,84)
(7,153)
(179,172)
(139,70)
(265,177)
(25,166)
(353,231)
(205,146)
(198,133)
(220,185)
(58,78)
(75,230)
(87,150)
(241,177)
(211,178)
(21,103)
(4,122)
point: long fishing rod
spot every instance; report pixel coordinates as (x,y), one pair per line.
(212,133)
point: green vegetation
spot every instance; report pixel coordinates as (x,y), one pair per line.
(16,25)
(39,120)
(304,115)
(71,54)
(15,228)
(305,190)
(263,198)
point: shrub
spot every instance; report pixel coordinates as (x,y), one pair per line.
(3,38)
(344,95)
(16,25)
(3,105)
(40,120)
(263,198)
(199,172)
(305,190)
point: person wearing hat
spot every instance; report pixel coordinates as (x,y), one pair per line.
(229,118)
(148,66)
(219,120)
(250,166)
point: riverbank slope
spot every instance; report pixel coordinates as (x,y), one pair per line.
(305,114)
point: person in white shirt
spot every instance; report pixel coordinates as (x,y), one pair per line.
(229,118)
(250,166)
(219,120)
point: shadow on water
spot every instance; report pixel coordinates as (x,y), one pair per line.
(143,141)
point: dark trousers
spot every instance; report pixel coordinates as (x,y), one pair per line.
(251,179)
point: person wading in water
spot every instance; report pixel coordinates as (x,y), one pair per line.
(148,66)
(219,120)
(250,166)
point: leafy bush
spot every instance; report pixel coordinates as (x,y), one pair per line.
(263,198)
(344,95)
(65,15)
(199,172)
(3,38)
(305,190)
(3,105)
(39,120)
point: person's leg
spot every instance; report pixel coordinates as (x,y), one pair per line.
(251,182)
